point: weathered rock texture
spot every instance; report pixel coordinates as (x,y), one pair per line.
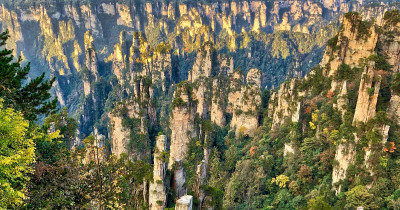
(282,106)
(182,122)
(354,42)
(200,77)
(246,106)
(184,203)
(367,95)
(130,121)
(157,189)
(61,41)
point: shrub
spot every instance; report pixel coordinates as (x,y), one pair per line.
(371,91)
(178,102)
(344,72)
(332,43)
(380,62)
(391,17)
(395,86)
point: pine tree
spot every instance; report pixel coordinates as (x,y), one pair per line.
(32,99)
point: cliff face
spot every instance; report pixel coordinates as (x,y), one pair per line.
(246,106)
(282,106)
(128,57)
(220,86)
(131,120)
(158,40)
(356,40)
(59,46)
(200,77)
(92,74)
(184,203)
(157,189)
(356,64)
(367,94)
(182,122)
(120,59)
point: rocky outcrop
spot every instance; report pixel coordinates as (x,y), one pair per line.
(342,99)
(394,107)
(157,189)
(90,73)
(390,46)
(59,45)
(120,134)
(365,110)
(201,173)
(199,75)
(283,106)
(184,203)
(246,108)
(202,66)
(235,89)
(159,68)
(179,180)
(131,120)
(356,40)
(220,92)
(368,93)
(120,58)
(182,122)
(344,156)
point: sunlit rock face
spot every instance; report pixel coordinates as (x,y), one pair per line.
(184,203)
(354,45)
(182,122)
(246,107)
(124,39)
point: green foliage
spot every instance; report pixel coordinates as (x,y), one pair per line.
(31,99)
(381,62)
(318,203)
(185,88)
(362,27)
(280,180)
(178,102)
(317,82)
(16,156)
(344,72)
(371,91)
(216,197)
(391,17)
(63,123)
(163,48)
(332,43)
(359,196)
(395,86)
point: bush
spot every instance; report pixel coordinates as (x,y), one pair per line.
(344,72)
(391,17)
(178,102)
(332,43)
(371,91)
(380,62)
(395,86)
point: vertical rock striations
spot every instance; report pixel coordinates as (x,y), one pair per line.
(182,122)
(157,189)
(131,120)
(246,106)
(200,75)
